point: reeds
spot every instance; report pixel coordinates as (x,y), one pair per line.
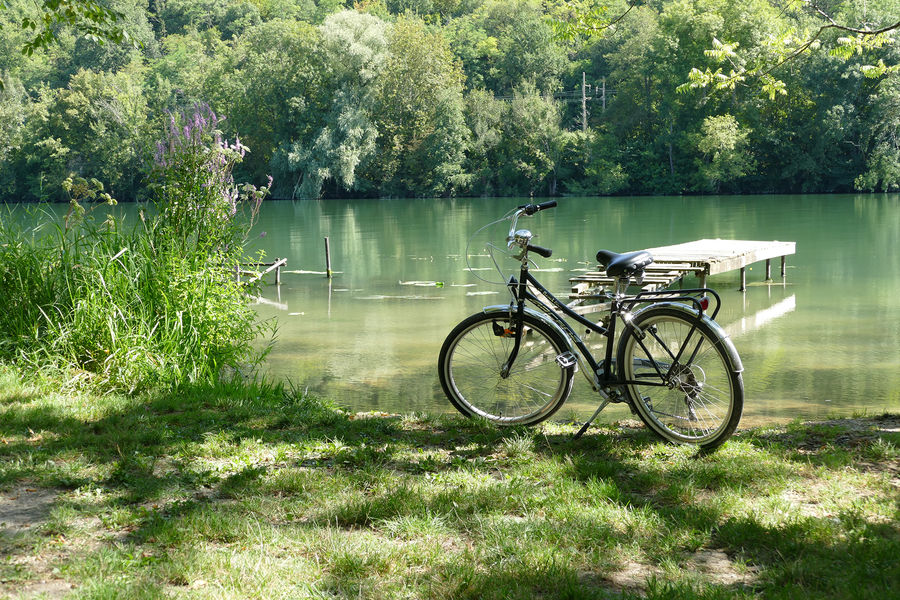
(119,309)
(152,304)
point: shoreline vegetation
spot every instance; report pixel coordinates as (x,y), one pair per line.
(153,304)
(251,490)
(440,98)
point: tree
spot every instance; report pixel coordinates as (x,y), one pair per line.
(90,19)
(484,118)
(418,110)
(272,86)
(503,44)
(811,26)
(13,105)
(230,17)
(723,144)
(601,169)
(881,139)
(355,49)
(534,143)
(96,127)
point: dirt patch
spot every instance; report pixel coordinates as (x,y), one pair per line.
(717,567)
(632,576)
(24,508)
(805,503)
(865,427)
(842,433)
(55,588)
(709,566)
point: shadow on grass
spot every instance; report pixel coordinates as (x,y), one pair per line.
(196,463)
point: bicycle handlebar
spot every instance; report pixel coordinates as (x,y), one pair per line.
(545,252)
(522,238)
(530,209)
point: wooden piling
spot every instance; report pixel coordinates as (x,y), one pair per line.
(327,258)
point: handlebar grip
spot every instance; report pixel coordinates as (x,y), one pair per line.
(530,209)
(545,252)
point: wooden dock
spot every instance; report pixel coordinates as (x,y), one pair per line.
(700,258)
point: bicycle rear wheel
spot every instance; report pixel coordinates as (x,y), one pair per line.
(471,359)
(697,399)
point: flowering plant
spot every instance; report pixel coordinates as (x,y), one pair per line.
(197,198)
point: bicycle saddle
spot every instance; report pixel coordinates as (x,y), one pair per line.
(629,263)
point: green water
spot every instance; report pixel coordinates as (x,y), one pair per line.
(825,342)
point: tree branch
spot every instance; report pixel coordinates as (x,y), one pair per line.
(585,23)
(834,24)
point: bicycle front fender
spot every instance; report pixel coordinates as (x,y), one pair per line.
(734,360)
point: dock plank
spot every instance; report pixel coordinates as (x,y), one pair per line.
(720,256)
(700,258)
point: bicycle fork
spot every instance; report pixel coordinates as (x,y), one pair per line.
(518,322)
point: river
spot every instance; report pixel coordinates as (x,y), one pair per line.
(823,342)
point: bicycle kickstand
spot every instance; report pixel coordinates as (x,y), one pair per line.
(591,420)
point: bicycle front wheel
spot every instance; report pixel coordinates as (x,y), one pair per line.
(470,366)
(681,378)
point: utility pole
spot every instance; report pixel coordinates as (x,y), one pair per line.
(603,93)
(584,99)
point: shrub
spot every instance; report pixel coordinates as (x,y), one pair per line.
(153,304)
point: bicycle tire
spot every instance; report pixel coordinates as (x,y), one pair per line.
(704,398)
(471,358)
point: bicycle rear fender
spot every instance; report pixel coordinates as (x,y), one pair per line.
(734,361)
(505,309)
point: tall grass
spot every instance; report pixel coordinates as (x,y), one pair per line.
(152,304)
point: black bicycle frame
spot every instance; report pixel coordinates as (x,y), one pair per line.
(521,293)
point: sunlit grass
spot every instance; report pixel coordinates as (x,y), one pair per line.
(254,491)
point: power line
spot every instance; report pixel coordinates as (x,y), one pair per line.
(603,94)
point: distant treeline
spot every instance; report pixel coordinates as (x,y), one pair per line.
(455,97)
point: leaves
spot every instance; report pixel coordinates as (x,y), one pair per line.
(471,98)
(94,21)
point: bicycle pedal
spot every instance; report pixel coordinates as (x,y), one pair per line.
(566,360)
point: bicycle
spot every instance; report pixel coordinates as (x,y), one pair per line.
(676,368)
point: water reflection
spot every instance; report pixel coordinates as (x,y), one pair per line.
(827,341)
(752,322)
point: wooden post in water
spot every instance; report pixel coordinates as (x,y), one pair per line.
(327,258)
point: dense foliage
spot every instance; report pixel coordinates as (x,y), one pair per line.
(466,97)
(155,303)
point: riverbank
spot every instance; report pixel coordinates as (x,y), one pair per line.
(260,492)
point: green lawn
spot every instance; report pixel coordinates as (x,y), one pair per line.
(258,492)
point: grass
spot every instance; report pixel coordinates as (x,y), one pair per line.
(254,491)
(112,307)
(151,305)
